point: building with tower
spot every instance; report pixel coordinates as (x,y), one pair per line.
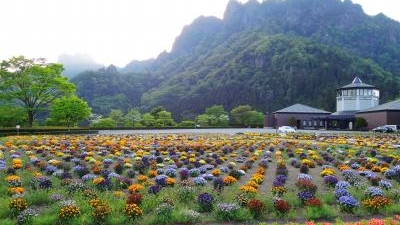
(356,99)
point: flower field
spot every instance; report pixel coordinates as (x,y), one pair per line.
(200,179)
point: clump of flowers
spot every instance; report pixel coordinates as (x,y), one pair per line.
(163,213)
(135,198)
(376,203)
(101,212)
(306,185)
(373,192)
(56,197)
(241,199)
(248,189)
(133,211)
(256,207)
(135,188)
(229,180)
(327,171)
(227,211)
(278,191)
(17,205)
(305,196)
(191,216)
(348,203)
(69,211)
(313,202)
(25,217)
(281,206)
(330,180)
(205,201)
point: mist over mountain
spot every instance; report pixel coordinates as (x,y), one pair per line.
(77,63)
(268,55)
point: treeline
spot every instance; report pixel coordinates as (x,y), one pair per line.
(158,117)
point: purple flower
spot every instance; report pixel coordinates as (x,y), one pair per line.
(305,195)
(342,184)
(330,180)
(373,192)
(200,181)
(154,189)
(340,192)
(205,199)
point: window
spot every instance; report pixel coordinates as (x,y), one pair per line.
(304,123)
(315,123)
(321,123)
(309,123)
(369,92)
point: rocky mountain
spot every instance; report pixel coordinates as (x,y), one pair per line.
(268,55)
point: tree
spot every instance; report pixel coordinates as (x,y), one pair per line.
(148,120)
(255,118)
(154,112)
(134,116)
(103,123)
(360,123)
(241,113)
(11,116)
(165,118)
(32,83)
(70,110)
(116,115)
(202,120)
(217,115)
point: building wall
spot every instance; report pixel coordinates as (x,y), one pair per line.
(347,103)
(393,118)
(269,120)
(374,119)
(281,119)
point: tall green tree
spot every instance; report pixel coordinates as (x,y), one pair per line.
(241,113)
(148,120)
(116,115)
(69,110)
(32,83)
(217,115)
(165,118)
(133,117)
(154,111)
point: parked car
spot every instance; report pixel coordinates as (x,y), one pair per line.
(383,129)
(286,129)
(395,128)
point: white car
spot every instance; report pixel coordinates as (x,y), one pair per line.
(286,129)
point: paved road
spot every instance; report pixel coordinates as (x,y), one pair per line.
(230,131)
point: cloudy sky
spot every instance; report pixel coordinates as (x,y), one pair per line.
(111,31)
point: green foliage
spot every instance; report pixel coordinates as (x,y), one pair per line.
(148,120)
(133,117)
(69,110)
(292,122)
(187,123)
(322,212)
(360,123)
(241,113)
(32,83)
(117,116)
(214,116)
(244,115)
(12,115)
(103,123)
(154,111)
(165,119)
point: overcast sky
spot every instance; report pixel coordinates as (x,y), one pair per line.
(111,31)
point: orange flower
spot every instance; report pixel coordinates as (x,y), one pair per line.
(135,188)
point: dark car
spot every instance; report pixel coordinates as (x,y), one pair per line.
(383,129)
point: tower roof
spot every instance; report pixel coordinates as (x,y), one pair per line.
(357,83)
